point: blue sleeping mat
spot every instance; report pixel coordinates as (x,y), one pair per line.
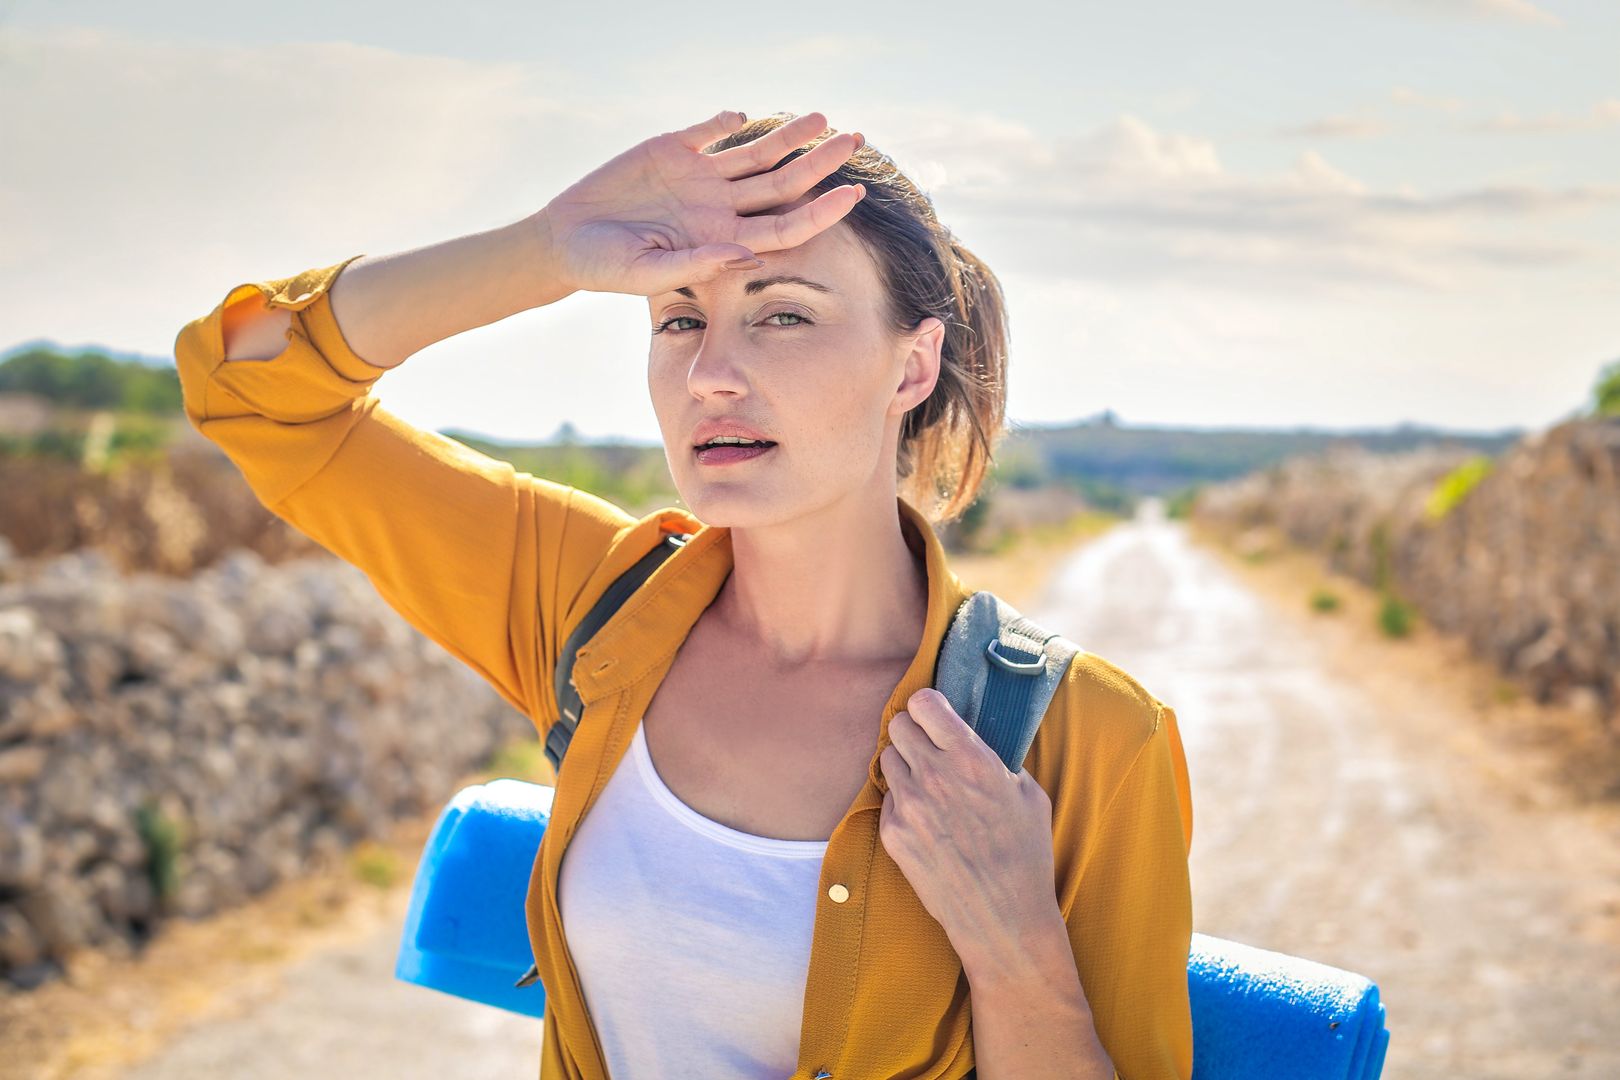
(1257,1015)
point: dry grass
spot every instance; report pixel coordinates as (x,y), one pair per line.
(1572,756)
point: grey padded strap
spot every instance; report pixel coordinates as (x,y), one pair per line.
(1000,671)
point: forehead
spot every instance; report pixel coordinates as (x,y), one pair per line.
(834,257)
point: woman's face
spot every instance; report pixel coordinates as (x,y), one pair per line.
(814,370)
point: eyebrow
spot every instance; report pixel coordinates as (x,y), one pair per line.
(759,285)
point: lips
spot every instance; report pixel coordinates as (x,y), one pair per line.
(712,429)
(725,454)
(758,444)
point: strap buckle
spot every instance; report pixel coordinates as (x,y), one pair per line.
(1017,667)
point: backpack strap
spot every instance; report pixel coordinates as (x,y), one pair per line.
(568,699)
(999,670)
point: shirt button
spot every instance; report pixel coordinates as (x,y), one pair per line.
(838,893)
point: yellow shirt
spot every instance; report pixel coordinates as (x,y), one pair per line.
(498,566)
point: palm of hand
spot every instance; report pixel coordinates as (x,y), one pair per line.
(663,213)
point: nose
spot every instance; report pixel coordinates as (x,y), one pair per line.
(715,369)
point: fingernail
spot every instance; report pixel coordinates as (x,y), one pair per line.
(744,264)
(860,140)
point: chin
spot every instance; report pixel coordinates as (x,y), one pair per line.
(731,505)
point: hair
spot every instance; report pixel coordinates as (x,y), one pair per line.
(948,441)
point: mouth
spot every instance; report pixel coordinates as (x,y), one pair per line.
(728,454)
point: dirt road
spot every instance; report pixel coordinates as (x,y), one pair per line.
(1349,808)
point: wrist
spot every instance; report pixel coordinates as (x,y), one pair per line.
(1032,949)
(541,257)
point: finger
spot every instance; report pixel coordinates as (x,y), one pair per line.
(781,186)
(909,739)
(690,265)
(720,124)
(773,232)
(760,154)
(938,719)
(893,763)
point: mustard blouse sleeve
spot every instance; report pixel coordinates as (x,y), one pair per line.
(481,558)
(1131,923)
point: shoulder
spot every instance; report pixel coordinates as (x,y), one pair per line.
(1100,692)
(1099,720)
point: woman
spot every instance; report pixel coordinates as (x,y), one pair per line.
(790,857)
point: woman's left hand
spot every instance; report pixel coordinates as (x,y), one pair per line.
(972,838)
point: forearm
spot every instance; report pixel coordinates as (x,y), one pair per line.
(1030,1014)
(390,307)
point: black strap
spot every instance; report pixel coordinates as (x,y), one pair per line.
(568,699)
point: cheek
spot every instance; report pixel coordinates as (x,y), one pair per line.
(844,407)
(666,390)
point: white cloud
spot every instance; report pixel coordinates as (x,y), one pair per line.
(1126,201)
(1605,114)
(1336,127)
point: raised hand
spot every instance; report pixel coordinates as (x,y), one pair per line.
(664,214)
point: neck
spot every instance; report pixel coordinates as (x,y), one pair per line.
(837,585)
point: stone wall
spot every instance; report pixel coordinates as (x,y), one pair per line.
(1525,567)
(169,747)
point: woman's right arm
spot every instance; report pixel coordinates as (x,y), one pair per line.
(393,306)
(481,558)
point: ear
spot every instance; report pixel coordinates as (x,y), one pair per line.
(924,346)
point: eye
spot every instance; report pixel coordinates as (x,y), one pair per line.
(661,327)
(665,325)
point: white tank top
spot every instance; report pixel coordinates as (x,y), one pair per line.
(692,939)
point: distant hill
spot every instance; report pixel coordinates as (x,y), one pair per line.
(1151,460)
(51,346)
(91,379)
(1111,464)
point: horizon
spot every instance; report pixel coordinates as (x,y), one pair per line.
(1015,425)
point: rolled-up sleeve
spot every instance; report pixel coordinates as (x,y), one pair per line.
(1131,921)
(481,558)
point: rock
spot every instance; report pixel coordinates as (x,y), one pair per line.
(217,734)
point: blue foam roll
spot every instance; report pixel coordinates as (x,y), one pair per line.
(465,929)
(1263,1015)
(1257,1014)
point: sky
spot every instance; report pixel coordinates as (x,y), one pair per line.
(1257,213)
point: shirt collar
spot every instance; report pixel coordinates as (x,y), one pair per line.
(657,618)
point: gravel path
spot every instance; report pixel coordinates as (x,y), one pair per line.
(1343,814)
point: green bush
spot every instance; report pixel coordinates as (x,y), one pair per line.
(163,839)
(375,865)
(1378,540)
(91,380)
(1180,503)
(1324,599)
(1606,395)
(1395,616)
(1451,489)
